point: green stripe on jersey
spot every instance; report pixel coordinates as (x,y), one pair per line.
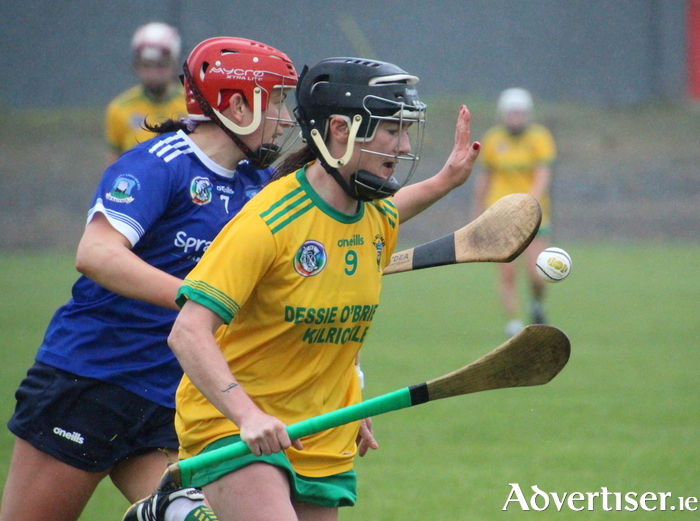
(279,203)
(388,209)
(286,210)
(289,219)
(210,297)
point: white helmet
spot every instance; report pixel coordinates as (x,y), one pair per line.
(514,99)
(156,41)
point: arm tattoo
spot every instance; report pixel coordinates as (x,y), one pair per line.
(231,386)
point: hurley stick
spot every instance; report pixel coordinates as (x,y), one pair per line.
(500,234)
(532,357)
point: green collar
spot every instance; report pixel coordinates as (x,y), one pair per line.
(323,205)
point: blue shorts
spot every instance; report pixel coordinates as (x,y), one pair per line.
(87,423)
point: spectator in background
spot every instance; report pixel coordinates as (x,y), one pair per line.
(159,96)
(517,157)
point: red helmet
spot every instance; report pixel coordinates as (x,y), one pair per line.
(224,65)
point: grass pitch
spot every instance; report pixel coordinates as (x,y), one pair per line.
(623,414)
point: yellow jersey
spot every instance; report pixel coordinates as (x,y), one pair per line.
(126,113)
(298,284)
(512,160)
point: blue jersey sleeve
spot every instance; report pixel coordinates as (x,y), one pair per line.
(133,193)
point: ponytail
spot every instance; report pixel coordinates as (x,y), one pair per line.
(171,125)
(294,162)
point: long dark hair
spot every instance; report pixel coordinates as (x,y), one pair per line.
(294,162)
(169,125)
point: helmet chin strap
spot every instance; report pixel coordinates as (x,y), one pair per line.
(265,155)
(369,187)
(363,185)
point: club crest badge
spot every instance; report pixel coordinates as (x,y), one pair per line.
(379,244)
(200,190)
(310,259)
(121,189)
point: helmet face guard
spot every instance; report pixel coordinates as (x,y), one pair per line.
(218,68)
(364,93)
(405,164)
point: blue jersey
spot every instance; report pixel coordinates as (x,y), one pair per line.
(169,200)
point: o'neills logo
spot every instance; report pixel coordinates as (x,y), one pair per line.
(72,436)
(356,240)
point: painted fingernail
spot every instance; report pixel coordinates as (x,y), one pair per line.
(476,146)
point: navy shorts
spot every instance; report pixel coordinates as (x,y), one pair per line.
(88,423)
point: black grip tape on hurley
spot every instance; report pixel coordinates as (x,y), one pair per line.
(439,252)
(419,394)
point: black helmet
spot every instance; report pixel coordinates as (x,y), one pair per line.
(350,86)
(366,92)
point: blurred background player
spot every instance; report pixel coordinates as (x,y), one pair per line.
(517,157)
(158,97)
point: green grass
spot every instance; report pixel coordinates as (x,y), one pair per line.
(623,414)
